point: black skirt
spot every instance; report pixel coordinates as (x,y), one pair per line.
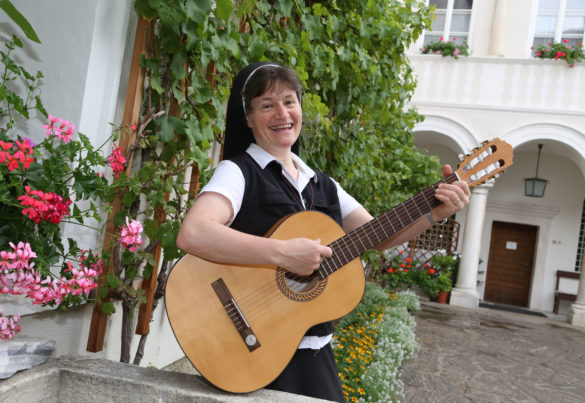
(311,373)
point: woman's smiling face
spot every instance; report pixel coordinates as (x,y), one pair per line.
(276,118)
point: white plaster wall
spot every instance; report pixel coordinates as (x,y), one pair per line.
(85,61)
(519,28)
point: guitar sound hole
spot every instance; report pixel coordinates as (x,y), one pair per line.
(300,288)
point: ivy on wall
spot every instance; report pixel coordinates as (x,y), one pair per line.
(348,54)
(357,84)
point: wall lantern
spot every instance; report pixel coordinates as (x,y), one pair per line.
(534,187)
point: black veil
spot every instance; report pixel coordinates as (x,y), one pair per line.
(238,136)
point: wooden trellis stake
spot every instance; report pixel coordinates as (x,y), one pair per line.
(98,325)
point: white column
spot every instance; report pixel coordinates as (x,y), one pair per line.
(465,291)
(576,314)
(499,28)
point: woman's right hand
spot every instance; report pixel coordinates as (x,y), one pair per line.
(302,255)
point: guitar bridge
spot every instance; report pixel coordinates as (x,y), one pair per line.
(235,314)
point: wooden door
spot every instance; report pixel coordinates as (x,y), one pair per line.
(510,264)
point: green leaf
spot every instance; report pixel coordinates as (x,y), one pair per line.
(128,199)
(202,95)
(120,218)
(223,9)
(108,308)
(167,132)
(156,84)
(131,272)
(112,281)
(19,19)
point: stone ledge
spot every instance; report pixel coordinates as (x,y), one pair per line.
(80,380)
(23,352)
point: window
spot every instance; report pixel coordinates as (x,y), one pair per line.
(453,19)
(558,20)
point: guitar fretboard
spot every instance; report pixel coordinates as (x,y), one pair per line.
(372,233)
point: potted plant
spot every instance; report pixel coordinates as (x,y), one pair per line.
(445,266)
(560,51)
(444,285)
(446,48)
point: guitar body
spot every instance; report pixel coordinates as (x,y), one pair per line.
(240,325)
(277,312)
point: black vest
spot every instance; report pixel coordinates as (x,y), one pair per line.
(269,196)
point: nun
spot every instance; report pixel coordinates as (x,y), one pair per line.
(262,179)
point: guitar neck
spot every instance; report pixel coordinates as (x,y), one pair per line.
(372,233)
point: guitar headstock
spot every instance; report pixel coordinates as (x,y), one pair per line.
(487,160)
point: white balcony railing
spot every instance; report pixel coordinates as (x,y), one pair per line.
(497,83)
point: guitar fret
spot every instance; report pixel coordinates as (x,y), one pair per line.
(376,232)
(360,239)
(353,244)
(407,213)
(334,257)
(401,223)
(342,255)
(418,196)
(325,265)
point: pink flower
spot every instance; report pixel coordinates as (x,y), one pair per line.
(9,326)
(23,155)
(566,40)
(64,131)
(117,161)
(51,126)
(5,156)
(44,206)
(456,52)
(66,136)
(18,277)
(130,235)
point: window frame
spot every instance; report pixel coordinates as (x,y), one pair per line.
(447,32)
(560,15)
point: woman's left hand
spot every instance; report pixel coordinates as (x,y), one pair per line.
(455,197)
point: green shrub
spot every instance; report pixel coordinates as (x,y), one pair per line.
(372,343)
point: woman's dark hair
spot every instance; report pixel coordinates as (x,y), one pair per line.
(264,78)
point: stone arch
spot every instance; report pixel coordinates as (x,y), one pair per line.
(571,140)
(456,132)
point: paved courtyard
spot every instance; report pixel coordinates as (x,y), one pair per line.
(488,355)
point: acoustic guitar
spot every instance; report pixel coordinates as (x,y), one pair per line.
(240,325)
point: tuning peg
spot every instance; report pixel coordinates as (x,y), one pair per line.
(461,157)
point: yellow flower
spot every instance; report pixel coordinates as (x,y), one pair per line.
(361,391)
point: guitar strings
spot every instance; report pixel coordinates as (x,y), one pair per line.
(357,242)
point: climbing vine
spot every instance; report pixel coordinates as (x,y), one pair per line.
(357,84)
